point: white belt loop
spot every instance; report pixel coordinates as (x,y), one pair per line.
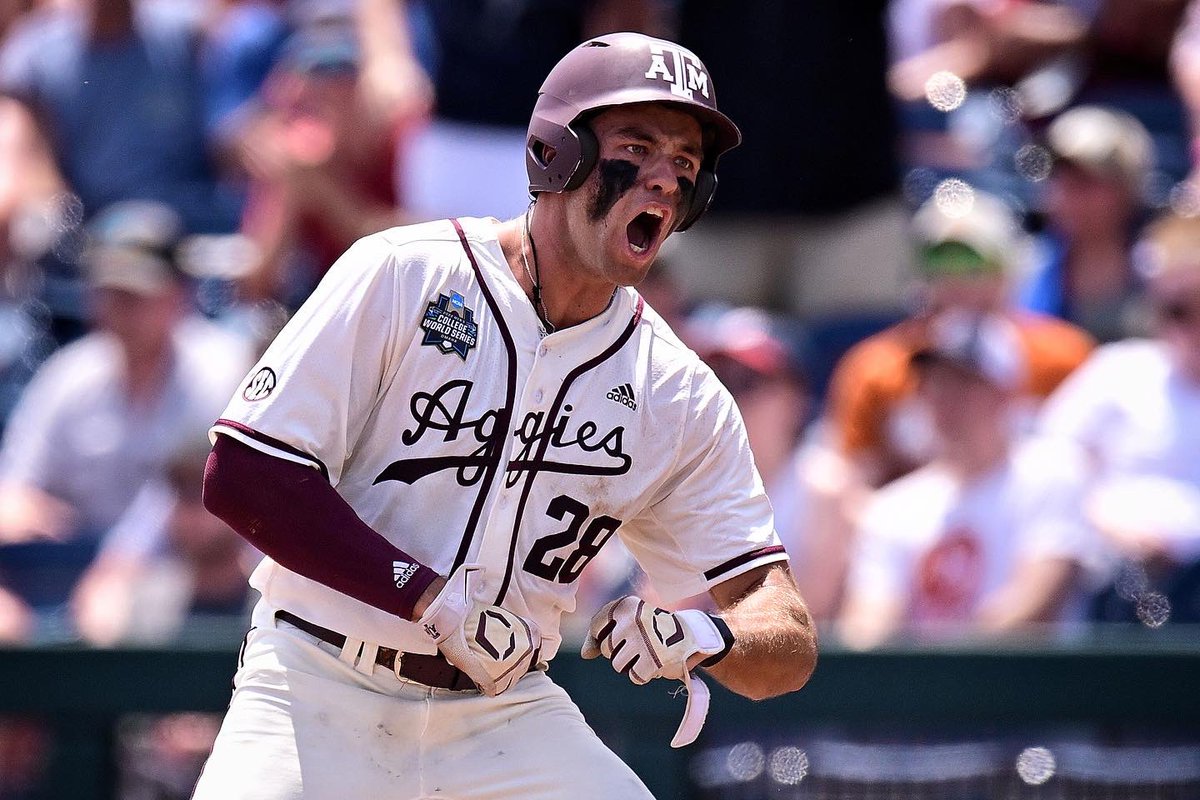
(350,651)
(366,661)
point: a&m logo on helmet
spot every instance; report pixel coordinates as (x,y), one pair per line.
(678,67)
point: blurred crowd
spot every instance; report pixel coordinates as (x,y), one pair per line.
(952,279)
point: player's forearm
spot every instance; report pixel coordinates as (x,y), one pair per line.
(775,641)
(292,514)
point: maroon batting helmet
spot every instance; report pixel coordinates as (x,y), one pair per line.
(615,70)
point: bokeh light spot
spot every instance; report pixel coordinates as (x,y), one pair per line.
(788,765)
(1033,162)
(1153,609)
(954,197)
(745,761)
(945,91)
(1036,765)
(1005,103)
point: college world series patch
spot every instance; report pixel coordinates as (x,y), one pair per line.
(450,326)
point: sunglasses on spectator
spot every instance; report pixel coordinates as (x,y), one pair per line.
(1179,310)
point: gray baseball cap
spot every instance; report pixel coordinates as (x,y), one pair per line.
(132,247)
(985,345)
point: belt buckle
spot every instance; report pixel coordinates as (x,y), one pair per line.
(396,665)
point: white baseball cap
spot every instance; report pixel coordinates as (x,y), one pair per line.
(986,227)
(984,344)
(1105,142)
(132,248)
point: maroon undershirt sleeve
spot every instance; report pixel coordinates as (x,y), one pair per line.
(291,513)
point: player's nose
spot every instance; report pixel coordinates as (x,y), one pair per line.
(661,175)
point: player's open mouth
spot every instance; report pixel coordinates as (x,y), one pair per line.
(644,230)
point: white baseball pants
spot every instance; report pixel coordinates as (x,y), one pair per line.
(305,724)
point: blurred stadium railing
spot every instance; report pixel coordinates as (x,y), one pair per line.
(1112,714)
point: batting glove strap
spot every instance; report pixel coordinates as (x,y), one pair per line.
(494,646)
(710,634)
(644,642)
(727,641)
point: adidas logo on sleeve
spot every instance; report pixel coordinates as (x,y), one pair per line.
(623,394)
(402,571)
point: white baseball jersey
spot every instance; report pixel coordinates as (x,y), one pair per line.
(417,380)
(1132,408)
(1139,416)
(943,546)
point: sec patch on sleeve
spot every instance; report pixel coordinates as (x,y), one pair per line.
(260,386)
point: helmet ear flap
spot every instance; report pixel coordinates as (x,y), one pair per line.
(706,186)
(589,154)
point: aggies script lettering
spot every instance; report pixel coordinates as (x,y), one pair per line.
(444,411)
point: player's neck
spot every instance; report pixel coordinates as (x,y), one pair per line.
(544,268)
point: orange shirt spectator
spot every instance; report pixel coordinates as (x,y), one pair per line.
(964,260)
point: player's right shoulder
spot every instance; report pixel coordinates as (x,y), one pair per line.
(411,251)
(425,244)
(403,239)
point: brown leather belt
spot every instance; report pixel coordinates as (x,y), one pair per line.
(433,670)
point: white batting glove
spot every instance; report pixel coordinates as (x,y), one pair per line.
(645,642)
(494,646)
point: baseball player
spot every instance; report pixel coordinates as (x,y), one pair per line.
(451,428)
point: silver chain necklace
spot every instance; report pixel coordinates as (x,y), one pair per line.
(538,303)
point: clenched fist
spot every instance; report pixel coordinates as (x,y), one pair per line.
(494,646)
(645,642)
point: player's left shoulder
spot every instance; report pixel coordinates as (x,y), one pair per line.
(670,362)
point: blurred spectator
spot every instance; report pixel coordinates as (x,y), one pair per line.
(118,88)
(980,76)
(1185,76)
(989,536)
(397,56)
(1128,50)
(10,12)
(762,364)
(30,185)
(166,560)
(967,72)
(1135,406)
(492,57)
(980,41)
(115,89)
(105,414)
(322,168)
(241,43)
(761,358)
(1083,271)
(967,252)
(808,218)
(1055,52)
